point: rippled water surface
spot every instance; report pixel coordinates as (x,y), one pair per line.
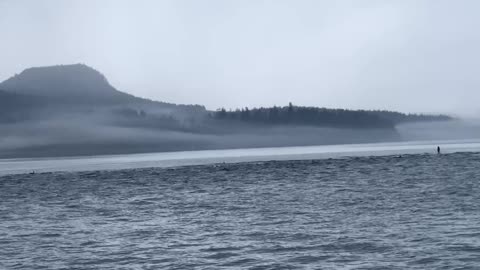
(409,212)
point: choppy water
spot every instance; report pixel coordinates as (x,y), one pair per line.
(413,212)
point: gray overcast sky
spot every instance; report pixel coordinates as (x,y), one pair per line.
(407,55)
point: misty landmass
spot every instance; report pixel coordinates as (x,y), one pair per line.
(73,110)
(323,117)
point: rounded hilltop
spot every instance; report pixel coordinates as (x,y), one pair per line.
(78,82)
(77,85)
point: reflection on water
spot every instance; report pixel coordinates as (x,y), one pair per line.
(170,159)
(384,212)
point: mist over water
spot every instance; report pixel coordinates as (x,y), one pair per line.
(71,110)
(415,212)
(75,135)
(212,134)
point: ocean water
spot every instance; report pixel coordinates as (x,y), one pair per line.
(184,158)
(418,211)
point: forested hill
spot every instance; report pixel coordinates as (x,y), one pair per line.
(323,117)
(78,84)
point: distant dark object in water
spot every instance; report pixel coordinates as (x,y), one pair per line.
(438,149)
(223,167)
(33,172)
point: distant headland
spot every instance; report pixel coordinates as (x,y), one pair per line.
(73,110)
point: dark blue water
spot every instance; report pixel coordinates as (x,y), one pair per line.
(413,212)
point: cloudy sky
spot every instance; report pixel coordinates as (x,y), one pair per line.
(406,55)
